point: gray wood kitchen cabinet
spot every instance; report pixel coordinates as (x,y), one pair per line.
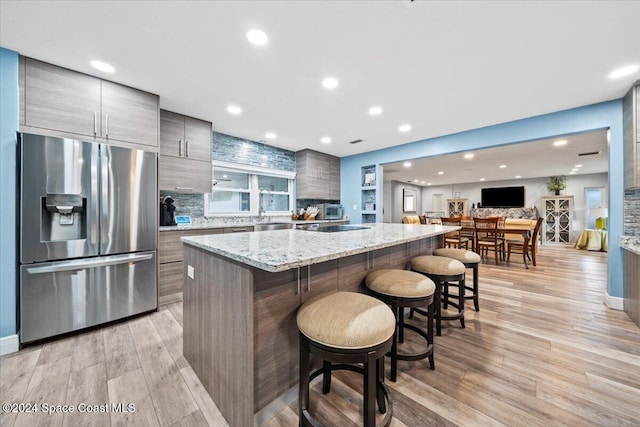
(70,102)
(170,272)
(183,175)
(631,137)
(184,137)
(318,175)
(129,115)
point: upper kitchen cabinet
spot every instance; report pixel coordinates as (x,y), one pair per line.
(317,175)
(185,153)
(129,115)
(185,137)
(66,101)
(631,137)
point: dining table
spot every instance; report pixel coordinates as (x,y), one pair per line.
(525,232)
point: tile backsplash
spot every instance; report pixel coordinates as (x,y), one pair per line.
(186,203)
(227,148)
(632,213)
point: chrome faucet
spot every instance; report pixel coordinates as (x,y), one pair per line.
(260,206)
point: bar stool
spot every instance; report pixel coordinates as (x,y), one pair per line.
(400,289)
(442,271)
(470,260)
(346,328)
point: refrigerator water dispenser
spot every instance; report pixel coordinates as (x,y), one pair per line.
(63,217)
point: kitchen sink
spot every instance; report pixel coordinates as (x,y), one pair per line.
(266,226)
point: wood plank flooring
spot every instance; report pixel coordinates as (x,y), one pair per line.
(544,350)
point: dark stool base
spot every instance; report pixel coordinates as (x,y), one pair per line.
(474,287)
(443,281)
(398,304)
(334,359)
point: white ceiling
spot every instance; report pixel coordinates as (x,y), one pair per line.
(528,160)
(441,66)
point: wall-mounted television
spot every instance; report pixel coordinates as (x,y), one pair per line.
(503,197)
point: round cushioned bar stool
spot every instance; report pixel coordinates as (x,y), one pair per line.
(344,328)
(470,260)
(400,289)
(442,271)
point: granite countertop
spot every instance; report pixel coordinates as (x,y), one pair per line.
(630,243)
(223,223)
(281,250)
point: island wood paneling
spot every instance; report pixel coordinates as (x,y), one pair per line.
(170,246)
(275,340)
(632,285)
(218,331)
(351,272)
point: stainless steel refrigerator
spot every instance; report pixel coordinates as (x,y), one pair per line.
(88,234)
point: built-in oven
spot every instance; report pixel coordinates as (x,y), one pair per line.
(332,211)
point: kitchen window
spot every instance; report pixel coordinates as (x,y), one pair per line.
(237,191)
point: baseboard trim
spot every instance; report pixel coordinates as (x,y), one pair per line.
(614,303)
(9,344)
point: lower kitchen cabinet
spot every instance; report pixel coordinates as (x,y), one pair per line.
(170,257)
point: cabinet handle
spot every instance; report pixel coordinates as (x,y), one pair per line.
(309,278)
(95,123)
(179,148)
(298,290)
(184,188)
(106,126)
(186,148)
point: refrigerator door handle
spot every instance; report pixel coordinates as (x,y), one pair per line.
(83,264)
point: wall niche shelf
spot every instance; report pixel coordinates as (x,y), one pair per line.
(368,199)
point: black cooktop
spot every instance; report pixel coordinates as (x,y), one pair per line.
(333,228)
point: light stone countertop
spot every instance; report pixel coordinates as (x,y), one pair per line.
(200,224)
(281,250)
(630,243)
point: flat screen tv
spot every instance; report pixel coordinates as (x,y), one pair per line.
(503,197)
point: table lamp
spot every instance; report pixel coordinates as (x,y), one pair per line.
(601,215)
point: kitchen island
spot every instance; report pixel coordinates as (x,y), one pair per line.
(242,292)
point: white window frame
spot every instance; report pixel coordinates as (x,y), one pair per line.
(254,191)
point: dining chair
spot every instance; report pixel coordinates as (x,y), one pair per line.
(454,238)
(518,245)
(487,237)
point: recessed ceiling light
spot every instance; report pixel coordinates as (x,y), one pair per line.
(416,180)
(577,166)
(428,183)
(469,156)
(441,173)
(404,128)
(330,83)
(574,170)
(325,140)
(560,143)
(518,176)
(375,110)
(407,164)
(103,66)
(572,173)
(225,176)
(623,71)
(481,179)
(270,135)
(421,182)
(503,166)
(257,37)
(234,109)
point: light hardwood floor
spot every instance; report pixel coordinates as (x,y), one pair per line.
(543,350)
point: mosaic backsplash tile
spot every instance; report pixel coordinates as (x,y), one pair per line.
(227,148)
(632,213)
(186,203)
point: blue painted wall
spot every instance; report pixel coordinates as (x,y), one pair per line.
(606,115)
(8,141)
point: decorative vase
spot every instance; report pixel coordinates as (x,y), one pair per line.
(557,192)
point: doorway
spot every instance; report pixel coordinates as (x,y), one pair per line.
(595,199)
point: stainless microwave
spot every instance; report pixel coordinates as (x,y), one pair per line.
(332,211)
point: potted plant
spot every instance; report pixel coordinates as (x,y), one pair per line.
(557,183)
